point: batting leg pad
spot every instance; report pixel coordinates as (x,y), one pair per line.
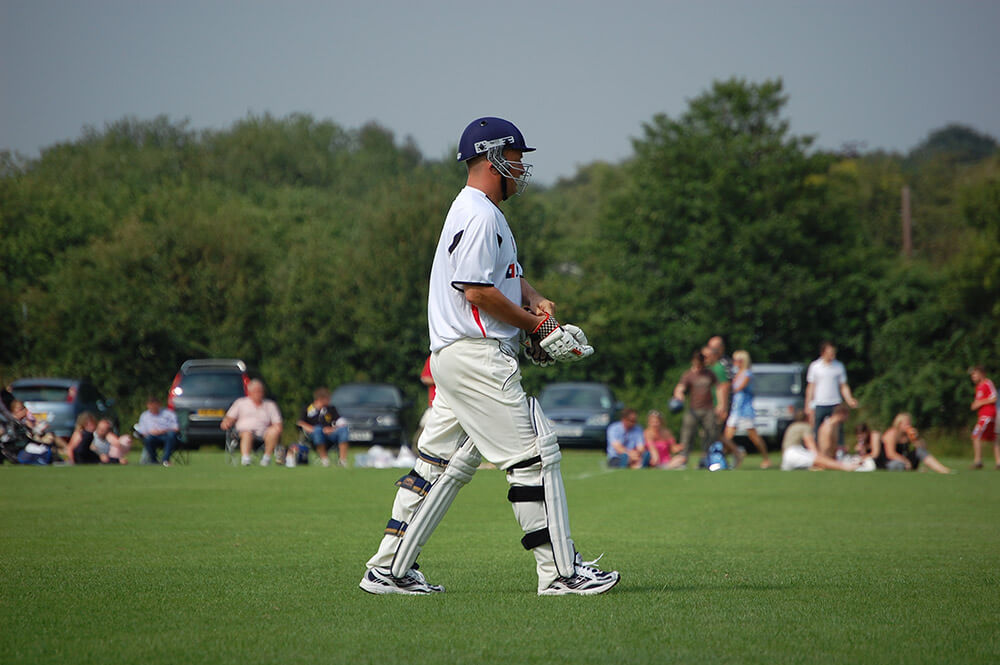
(413,487)
(552,494)
(461,467)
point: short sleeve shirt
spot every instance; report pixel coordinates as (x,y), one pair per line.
(476,247)
(252,418)
(324,416)
(698,386)
(826,379)
(985,390)
(631,438)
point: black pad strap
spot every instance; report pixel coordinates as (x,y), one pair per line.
(415,483)
(535,538)
(525,463)
(520,493)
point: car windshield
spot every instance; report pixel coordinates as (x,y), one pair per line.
(776,384)
(211,384)
(40,393)
(575,398)
(347,396)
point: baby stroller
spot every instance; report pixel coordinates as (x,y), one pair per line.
(17,442)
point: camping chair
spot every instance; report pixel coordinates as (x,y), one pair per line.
(233,454)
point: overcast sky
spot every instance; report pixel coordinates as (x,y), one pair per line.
(579,78)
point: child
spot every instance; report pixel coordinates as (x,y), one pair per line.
(985,404)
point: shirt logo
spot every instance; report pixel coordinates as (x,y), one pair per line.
(512,271)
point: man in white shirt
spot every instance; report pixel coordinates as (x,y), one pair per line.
(158,427)
(826,387)
(479,304)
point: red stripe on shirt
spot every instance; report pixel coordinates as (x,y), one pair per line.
(475,315)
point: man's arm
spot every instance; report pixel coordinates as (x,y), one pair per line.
(809,398)
(845,391)
(532,299)
(490,300)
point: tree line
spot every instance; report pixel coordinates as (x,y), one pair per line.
(304,248)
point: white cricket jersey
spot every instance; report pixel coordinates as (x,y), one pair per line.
(476,247)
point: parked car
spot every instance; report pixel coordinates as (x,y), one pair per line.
(58,401)
(778,390)
(202,392)
(373,412)
(580,412)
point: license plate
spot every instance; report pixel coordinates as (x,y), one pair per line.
(569,431)
(211,413)
(360,435)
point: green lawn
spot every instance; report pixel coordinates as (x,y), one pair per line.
(209,563)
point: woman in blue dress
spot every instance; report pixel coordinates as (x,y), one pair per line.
(741,415)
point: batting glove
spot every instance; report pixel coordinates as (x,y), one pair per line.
(562,343)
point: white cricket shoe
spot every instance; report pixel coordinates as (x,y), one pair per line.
(381,581)
(589,580)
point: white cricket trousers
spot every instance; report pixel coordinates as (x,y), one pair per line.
(479,394)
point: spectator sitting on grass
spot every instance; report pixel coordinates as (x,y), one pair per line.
(664,451)
(110,448)
(799,450)
(626,443)
(905,450)
(78,450)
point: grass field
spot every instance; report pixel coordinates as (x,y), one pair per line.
(208,563)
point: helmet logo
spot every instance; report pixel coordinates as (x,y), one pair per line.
(483,146)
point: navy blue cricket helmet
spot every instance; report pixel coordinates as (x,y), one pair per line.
(485,133)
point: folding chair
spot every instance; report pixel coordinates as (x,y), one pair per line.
(233,454)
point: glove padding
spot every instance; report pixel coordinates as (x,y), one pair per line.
(562,343)
(535,353)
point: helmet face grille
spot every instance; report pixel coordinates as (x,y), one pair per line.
(519,172)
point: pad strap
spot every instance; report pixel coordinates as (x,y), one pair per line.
(395,528)
(413,482)
(535,538)
(525,493)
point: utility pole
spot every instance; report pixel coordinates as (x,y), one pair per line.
(907,223)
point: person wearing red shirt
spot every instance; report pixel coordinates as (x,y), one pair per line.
(985,406)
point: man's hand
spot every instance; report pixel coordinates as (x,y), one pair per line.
(565,344)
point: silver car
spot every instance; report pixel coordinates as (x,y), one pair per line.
(58,401)
(778,390)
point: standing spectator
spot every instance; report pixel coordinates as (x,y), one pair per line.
(158,427)
(256,420)
(664,451)
(626,442)
(697,384)
(742,414)
(78,449)
(985,404)
(826,387)
(905,450)
(322,423)
(722,366)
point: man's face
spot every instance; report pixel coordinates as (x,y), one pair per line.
(256,393)
(630,420)
(829,353)
(153,406)
(976,376)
